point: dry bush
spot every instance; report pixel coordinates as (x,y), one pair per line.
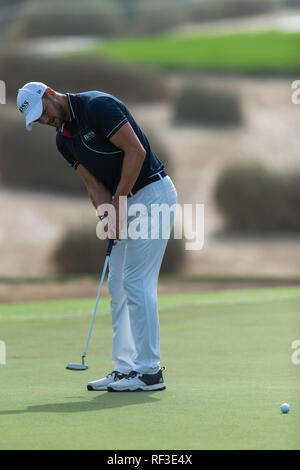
(174,256)
(255,199)
(291,3)
(203,104)
(75,74)
(4,3)
(30,159)
(210,11)
(144,17)
(81,252)
(153,20)
(38,19)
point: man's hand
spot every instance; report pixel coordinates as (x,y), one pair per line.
(114,219)
(118,218)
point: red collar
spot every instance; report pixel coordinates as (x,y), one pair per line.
(66,132)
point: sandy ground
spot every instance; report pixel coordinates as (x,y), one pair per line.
(31,223)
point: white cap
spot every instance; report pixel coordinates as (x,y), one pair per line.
(29,101)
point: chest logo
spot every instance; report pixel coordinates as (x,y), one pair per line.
(90,135)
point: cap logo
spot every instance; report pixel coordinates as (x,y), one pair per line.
(24,106)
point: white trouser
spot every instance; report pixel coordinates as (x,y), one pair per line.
(133,275)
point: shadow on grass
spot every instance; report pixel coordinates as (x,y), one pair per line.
(102,401)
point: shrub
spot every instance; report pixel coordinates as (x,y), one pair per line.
(4,3)
(144,17)
(209,11)
(174,256)
(37,19)
(81,252)
(203,104)
(75,74)
(253,198)
(155,19)
(292,3)
(31,160)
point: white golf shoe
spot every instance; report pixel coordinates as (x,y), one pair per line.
(138,382)
(101,385)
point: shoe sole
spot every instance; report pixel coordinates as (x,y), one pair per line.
(92,389)
(151,388)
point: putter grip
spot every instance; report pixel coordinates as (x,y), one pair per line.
(109,248)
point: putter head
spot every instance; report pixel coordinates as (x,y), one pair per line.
(77,367)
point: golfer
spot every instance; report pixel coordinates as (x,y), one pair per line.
(99,138)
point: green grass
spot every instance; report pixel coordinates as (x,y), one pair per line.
(228,369)
(259,52)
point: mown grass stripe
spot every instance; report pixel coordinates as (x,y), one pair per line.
(77,308)
(257,52)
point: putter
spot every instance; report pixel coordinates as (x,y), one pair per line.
(82,366)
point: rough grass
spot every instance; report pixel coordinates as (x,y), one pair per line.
(228,369)
(259,53)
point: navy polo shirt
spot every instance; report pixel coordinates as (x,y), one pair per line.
(95,117)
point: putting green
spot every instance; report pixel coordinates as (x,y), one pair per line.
(228,369)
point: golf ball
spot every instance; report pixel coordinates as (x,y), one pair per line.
(285,408)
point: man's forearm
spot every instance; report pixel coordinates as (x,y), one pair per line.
(132,164)
(99,195)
